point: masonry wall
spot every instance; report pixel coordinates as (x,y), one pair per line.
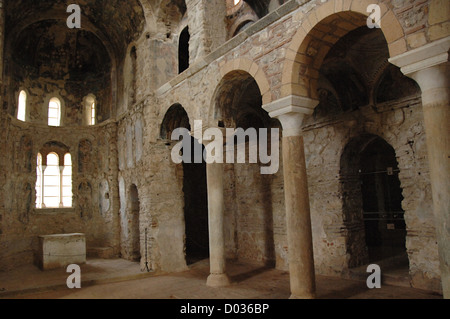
(130,152)
(94,183)
(246,227)
(401,125)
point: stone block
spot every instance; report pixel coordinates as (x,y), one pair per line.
(439,11)
(398,47)
(416,40)
(61,250)
(439,31)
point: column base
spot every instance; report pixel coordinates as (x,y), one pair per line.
(218,280)
(305,296)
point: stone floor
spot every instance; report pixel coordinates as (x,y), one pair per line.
(120,279)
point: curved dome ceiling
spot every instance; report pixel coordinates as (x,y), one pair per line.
(46,49)
(115,22)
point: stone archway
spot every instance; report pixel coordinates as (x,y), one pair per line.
(243,65)
(320,30)
(249,224)
(372,201)
(194,189)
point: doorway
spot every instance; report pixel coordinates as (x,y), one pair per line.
(196,209)
(381,192)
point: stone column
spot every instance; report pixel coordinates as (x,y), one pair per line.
(291,111)
(218,276)
(216,204)
(430,68)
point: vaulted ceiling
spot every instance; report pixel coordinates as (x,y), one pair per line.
(115,23)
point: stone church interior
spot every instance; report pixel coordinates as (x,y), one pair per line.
(88,114)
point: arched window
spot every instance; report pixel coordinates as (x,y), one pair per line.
(90,110)
(54,112)
(54,181)
(22,106)
(183,50)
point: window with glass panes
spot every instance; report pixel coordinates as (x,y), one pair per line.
(54,112)
(54,181)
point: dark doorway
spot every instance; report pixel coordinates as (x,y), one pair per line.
(384,223)
(194,189)
(196,209)
(183,50)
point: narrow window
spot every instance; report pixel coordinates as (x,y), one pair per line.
(54,112)
(51,182)
(183,50)
(90,110)
(39,179)
(67,181)
(93,115)
(22,107)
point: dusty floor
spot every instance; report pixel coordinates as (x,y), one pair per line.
(120,279)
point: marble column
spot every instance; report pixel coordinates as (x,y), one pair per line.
(291,111)
(216,204)
(430,68)
(218,276)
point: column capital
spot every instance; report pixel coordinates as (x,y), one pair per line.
(427,56)
(291,111)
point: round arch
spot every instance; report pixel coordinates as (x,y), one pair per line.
(372,200)
(175,117)
(240,95)
(320,30)
(252,68)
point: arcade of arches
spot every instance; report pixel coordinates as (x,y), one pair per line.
(363,114)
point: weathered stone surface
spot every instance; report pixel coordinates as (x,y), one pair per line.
(132,69)
(61,250)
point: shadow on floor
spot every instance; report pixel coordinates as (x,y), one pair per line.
(241,277)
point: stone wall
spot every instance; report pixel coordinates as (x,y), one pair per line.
(94,182)
(131,152)
(267,43)
(401,125)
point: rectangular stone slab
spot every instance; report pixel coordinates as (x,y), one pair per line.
(61,250)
